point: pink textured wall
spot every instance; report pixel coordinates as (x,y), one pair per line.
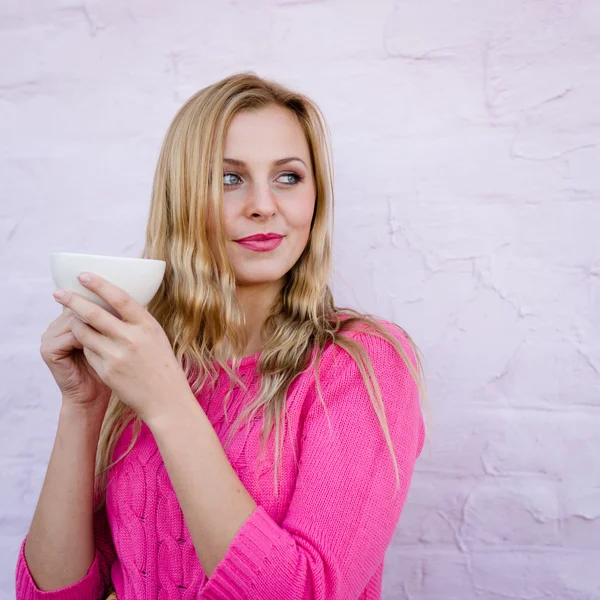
(467,155)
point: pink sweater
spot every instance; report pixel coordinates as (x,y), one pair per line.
(326,534)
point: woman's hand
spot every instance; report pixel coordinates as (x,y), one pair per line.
(133,356)
(79,384)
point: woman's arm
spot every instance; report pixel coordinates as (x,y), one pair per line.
(213,500)
(60,546)
(345,507)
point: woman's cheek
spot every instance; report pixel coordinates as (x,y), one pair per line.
(301,211)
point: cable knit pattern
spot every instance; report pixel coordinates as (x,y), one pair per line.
(323,537)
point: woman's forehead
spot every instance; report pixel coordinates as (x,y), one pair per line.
(264,136)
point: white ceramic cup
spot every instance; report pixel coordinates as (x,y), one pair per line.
(139,277)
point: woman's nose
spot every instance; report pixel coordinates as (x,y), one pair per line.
(261,203)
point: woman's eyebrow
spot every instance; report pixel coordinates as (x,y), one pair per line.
(281,161)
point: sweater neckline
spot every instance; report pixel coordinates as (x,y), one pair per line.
(245,362)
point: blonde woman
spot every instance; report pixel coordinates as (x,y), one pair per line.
(242,437)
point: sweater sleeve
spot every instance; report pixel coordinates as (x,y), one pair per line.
(346,504)
(93,585)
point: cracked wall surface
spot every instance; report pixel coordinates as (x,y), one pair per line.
(466,139)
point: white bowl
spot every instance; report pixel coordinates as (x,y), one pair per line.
(139,277)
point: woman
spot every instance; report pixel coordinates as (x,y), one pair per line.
(253,440)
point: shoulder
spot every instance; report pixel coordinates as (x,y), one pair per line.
(360,384)
(384,355)
(369,365)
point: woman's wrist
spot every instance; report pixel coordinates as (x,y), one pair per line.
(82,416)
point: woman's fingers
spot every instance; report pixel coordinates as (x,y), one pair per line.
(61,324)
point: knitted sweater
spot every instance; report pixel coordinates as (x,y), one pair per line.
(324,536)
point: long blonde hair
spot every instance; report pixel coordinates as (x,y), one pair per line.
(196,304)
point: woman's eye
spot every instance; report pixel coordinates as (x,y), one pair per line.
(225,175)
(295,176)
(232,179)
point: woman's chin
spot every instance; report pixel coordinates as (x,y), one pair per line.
(259,279)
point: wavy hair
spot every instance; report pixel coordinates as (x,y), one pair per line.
(196,304)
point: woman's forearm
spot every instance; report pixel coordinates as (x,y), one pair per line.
(213,500)
(60,545)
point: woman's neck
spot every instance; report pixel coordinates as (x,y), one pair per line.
(256,302)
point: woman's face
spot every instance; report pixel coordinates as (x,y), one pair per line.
(268,190)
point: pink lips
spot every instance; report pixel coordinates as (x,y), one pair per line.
(263,242)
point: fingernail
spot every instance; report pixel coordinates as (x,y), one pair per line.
(58,294)
(84,277)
